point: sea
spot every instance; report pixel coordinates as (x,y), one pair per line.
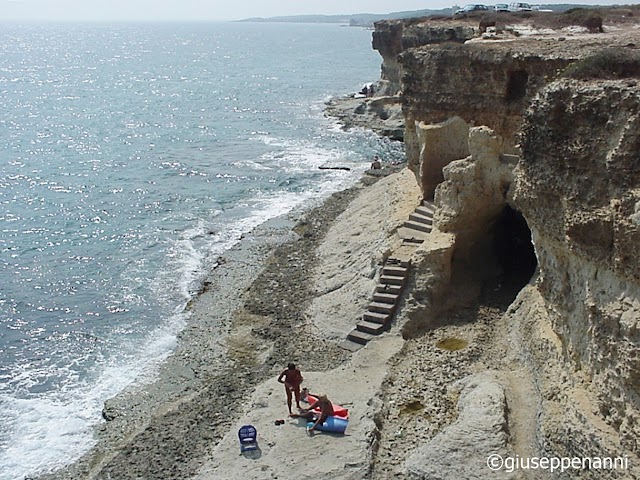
(131,157)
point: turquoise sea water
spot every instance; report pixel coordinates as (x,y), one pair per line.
(131,156)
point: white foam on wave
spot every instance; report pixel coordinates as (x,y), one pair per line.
(252,165)
(190,259)
(305,156)
(43,431)
(49,431)
(269,205)
(197,249)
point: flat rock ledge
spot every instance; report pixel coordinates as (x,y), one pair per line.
(461,450)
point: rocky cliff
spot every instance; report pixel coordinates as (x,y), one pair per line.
(578,186)
(484,84)
(536,181)
(393,37)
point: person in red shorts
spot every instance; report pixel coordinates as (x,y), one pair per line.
(292,379)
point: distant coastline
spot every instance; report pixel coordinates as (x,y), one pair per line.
(357,19)
(368,19)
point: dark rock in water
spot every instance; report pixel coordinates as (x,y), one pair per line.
(110,411)
(347,169)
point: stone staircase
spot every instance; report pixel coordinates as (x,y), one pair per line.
(393,279)
(383,306)
(419,224)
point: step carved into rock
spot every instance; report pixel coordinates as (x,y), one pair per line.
(382,297)
(359,337)
(387,308)
(375,317)
(391,280)
(417,226)
(370,327)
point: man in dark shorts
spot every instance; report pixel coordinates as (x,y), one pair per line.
(292,379)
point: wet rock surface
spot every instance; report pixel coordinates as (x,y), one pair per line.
(383,114)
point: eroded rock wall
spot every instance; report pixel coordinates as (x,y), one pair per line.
(578,185)
(392,37)
(574,331)
(576,181)
(483,85)
(474,190)
(387,40)
(491,125)
(443,69)
(440,144)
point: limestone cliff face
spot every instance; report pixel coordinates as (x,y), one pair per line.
(392,37)
(490,127)
(581,159)
(578,185)
(575,328)
(444,70)
(387,40)
(470,212)
(483,85)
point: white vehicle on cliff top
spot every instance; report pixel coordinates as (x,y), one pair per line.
(519,7)
(470,8)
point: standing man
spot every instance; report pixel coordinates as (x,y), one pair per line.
(292,379)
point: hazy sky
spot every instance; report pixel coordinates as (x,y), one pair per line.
(209,9)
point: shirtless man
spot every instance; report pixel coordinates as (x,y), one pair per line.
(326,410)
(292,379)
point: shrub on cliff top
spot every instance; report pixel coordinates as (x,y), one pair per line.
(581,17)
(584,17)
(485,22)
(611,63)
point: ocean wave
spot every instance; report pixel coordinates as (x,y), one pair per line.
(40,433)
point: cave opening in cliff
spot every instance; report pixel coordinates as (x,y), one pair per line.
(488,269)
(514,249)
(517,85)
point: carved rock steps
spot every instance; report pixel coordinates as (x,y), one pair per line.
(385,300)
(422,218)
(415,229)
(393,277)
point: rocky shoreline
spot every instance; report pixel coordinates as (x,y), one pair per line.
(160,429)
(289,292)
(248,322)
